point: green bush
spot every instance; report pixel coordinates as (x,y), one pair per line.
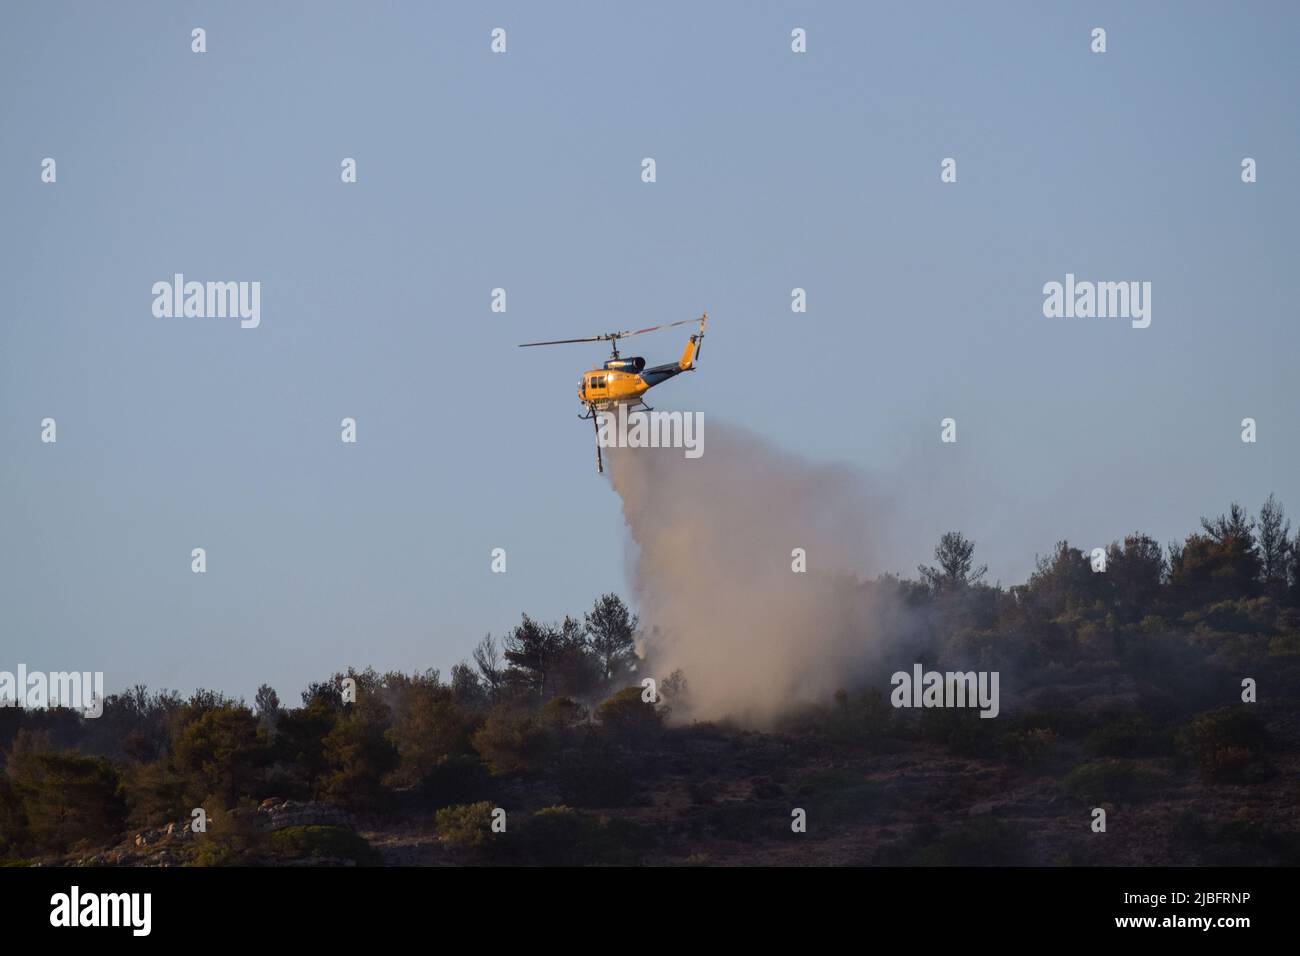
(322,842)
(1128,736)
(466,826)
(851,720)
(457,779)
(1030,748)
(982,842)
(1285,645)
(428,727)
(627,718)
(562,836)
(1110,780)
(961,730)
(13,825)
(360,754)
(66,799)
(595,774)
(512,740)
(1228,745)
(232,837)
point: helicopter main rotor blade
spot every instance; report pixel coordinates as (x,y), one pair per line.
(610,336)
(655,328)
(595,338)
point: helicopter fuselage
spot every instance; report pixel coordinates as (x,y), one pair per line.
(624,379)
(603,388)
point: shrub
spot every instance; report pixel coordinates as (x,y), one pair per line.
(322,842)
(465,826)
(595,774)
(13,825)
(627,718)
(457,779)
(864,718)
(1227,744)
(155,793)
(1285,645)
(562,836)
(67,798)
(1030,748)
(512,740)
(1109,780)
(1128,736)
(232,835)
(961,730)
(983,842)
(563,713)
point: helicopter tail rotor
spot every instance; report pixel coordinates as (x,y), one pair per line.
(692,350)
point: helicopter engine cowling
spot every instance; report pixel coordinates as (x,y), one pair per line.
(633,363)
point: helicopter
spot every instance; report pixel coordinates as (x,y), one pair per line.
(624,381)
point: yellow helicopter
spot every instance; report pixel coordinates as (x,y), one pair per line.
(623,381)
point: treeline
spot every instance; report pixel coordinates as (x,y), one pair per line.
(545,693)
(557,708)
(1167,642)
(1237,571)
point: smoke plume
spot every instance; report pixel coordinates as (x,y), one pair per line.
(714,542)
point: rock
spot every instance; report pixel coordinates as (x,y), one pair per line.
(987,808)
(288,813)
(178,831)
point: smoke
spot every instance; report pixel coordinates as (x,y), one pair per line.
(714,542)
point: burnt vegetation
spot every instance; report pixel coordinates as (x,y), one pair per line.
(1121,689)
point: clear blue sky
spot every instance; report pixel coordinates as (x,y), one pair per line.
(523,171)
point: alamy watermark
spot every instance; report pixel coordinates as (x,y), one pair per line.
(204,300)
(621,428)
(75,908)
(923,688)
(37,690)
(1101,300)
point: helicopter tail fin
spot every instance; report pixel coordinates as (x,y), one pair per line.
(692,351)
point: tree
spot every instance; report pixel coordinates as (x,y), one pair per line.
(217,751)
(955,554)
(611,630)
(1135,571)
(428,728)
(299,743)
(359,755)
(1294,565)
(1222,563)
(1274,545)
(67,798)
(13,825)
(323,692)
(532,649)
(488,661)
(466,687)
(575,672)
(1062,581)
(267,705)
